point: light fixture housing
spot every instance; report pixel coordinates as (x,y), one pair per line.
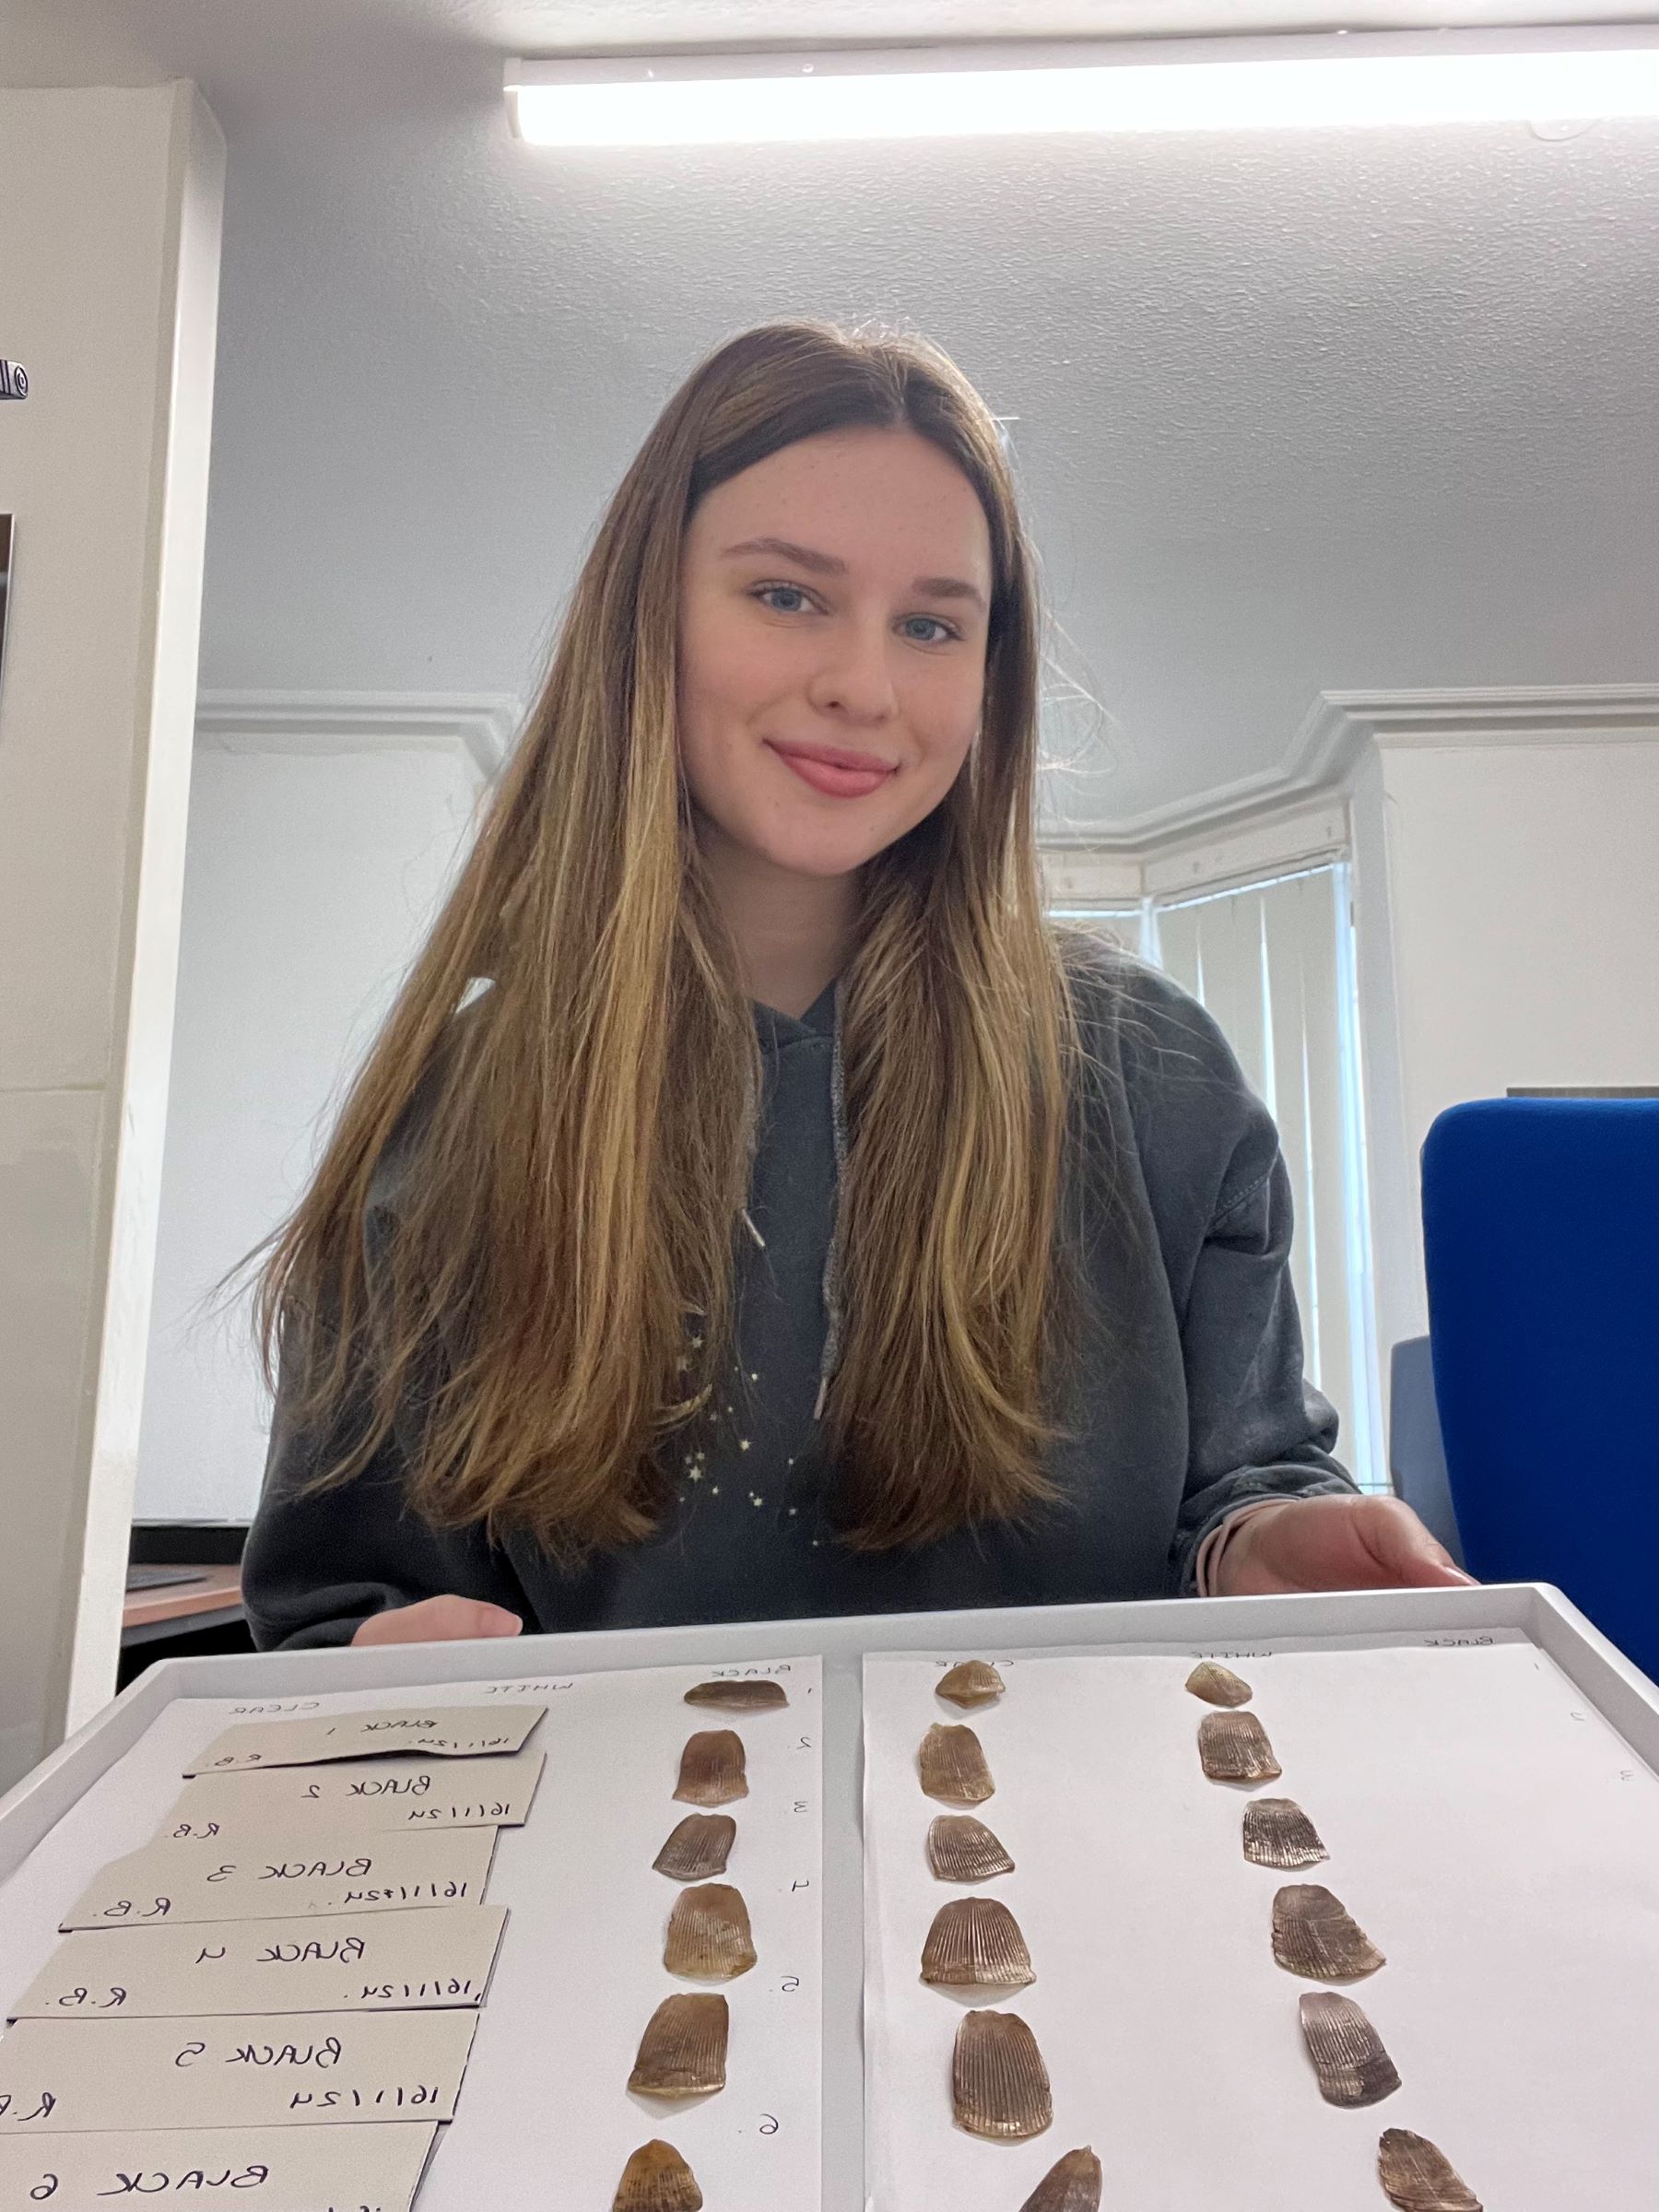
(1003,88)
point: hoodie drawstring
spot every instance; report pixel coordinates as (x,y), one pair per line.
(832,1280)
(833,1311)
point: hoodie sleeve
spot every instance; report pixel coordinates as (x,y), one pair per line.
(319,1562)
(1219,1193)
(1257,1430)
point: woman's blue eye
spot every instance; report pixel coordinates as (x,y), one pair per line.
(767,592)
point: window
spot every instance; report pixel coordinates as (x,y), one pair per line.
(1273,961)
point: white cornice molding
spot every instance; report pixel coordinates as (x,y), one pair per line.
(1334,734)
(1340,723)
(1315,763)
(483,723)
(1207,855)
(1137,837)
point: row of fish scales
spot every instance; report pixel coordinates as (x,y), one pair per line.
(683,2050)
(1314,1936)
(999,2084)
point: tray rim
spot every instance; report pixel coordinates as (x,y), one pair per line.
(1623,1696)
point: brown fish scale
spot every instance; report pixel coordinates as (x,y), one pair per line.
(975,1943)
(1313,1936)
(953,1766)
(1073,2185)
(999,2084)
(656,2179)
(1347,2050)
(709,1937)
(683,2050)
(1419,2177)
(739,1697)
(1278,1833)
(1218,1685)
(974,1682)
(713,1770)
(1234,1747)
(961,1849)
(698,1847)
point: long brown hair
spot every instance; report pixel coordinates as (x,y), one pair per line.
(572,1152)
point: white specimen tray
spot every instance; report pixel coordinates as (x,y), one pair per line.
(1611,1694)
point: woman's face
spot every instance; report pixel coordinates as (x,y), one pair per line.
(834,598)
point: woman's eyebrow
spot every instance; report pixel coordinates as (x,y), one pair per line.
(828,564)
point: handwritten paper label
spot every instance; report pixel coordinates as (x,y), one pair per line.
(278,2170)
(372,1962)
(245,2071)
(366,1796)
(286,1878)
(442,1732)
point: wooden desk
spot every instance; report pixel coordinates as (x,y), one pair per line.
(176,1609)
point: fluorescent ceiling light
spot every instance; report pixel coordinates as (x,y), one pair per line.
(1005,90)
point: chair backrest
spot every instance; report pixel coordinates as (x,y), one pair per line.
(1417,1457)
(1541,1243)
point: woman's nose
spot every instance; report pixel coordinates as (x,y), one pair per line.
(855,678)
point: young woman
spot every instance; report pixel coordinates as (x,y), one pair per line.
(753,1206)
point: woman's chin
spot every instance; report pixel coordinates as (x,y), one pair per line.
(822,852)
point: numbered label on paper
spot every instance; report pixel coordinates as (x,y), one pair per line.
(279,2169)
(441,1732)
(370,1795)
(286,1878)
(318,2068)
(372,1962)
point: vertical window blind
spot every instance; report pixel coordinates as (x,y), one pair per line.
(1273,962)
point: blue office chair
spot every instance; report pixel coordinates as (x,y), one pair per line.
(1541,1243)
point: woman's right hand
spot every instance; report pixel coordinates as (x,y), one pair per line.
(439,1620)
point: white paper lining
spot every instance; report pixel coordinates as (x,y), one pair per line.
(1491,1832)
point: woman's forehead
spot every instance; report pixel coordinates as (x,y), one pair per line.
(865,499)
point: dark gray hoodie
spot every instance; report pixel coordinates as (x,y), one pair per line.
(1192,1404)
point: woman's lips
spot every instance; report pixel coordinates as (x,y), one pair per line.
(835,782)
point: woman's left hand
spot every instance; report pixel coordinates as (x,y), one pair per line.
(1333,1544)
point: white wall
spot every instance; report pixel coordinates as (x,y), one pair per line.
(1398,1296)
(1508,914)
(310,879)
(110,205)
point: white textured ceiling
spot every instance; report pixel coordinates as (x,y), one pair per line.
(1292,413)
